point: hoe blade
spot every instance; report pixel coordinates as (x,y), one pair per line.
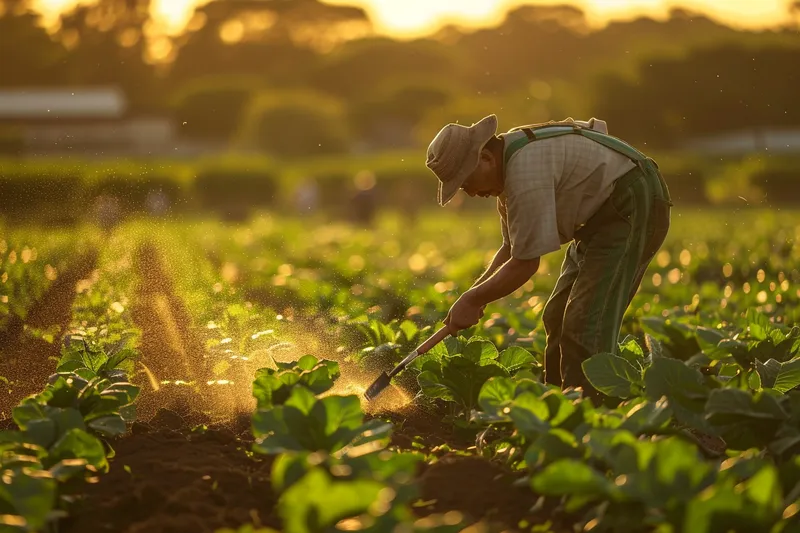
(377,386)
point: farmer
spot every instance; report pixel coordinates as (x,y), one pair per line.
(557,183)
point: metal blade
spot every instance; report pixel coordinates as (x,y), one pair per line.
(377,386)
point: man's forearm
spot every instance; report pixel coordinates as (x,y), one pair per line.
(500,258)
(511,276)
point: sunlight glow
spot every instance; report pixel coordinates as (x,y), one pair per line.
(414,18)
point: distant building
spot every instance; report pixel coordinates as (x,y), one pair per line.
(87,121)
(741,142)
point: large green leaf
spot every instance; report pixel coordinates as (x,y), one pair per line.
(42,432)
(754,505)
(460,378)
(65,470)
(496,393)
(676,472)
(677,337)
(530,414)
(613,375)
(571,477)
(305,423)
(78,444)
(497,396)
(31,493)
(758,324)
(274,387)
(788,376)
(27,411)
(515,358)
(630,350)
(646,417)
(124,392)
(709,341)
(480,351)
(684,388)
(552,446)
(745,420)
(108,425)
(316,502)
(768,372)
(619,449)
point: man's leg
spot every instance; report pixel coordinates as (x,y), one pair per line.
(553,314)
(616,254)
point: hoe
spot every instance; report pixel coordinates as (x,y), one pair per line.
(383,380)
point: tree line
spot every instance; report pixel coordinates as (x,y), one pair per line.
(300,76)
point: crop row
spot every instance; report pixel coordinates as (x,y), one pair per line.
(395,273)
(704,441)
(60,191)
(30,261)
(60,440)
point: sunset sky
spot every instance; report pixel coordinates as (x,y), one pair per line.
(411,18)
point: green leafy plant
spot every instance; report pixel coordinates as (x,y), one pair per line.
(59,434)
(304,422)
(274,386)
(459,377)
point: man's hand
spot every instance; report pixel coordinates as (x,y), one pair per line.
(465,313)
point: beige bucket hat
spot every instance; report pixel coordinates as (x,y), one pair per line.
(454,154)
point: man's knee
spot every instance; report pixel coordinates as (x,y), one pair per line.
(574,333)
(552,316)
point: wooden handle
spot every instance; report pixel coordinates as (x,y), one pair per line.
(433,340)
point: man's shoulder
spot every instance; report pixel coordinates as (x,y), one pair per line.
(534,160)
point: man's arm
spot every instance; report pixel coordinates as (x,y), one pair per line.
(511,276)
(499,259)
(468,309)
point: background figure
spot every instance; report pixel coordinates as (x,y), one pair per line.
(365,198)
(107,211)
(307,196)
(157,202)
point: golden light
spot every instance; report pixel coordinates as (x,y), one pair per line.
(160,49)
(415,18)
(232,31)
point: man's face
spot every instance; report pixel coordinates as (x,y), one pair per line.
(484,181)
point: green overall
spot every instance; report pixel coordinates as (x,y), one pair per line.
(604,264)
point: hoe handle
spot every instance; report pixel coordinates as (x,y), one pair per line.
(433,340)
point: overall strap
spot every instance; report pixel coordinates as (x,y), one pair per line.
(547,132)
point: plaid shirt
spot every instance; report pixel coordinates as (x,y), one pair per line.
(552,187)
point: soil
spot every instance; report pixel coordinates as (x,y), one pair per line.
(168,349)
(479,489)
(167,479)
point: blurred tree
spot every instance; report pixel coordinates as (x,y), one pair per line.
(357,68)
(295,124)
(794,12)
(274,39)
(106,46)
(388,116)
(727,87)
(212,108)
(533,42)
(28,56)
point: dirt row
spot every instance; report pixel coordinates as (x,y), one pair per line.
(181,468)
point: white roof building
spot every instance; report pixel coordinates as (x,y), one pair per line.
(64,103)
(89,120)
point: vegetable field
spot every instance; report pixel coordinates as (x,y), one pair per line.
(176,376)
